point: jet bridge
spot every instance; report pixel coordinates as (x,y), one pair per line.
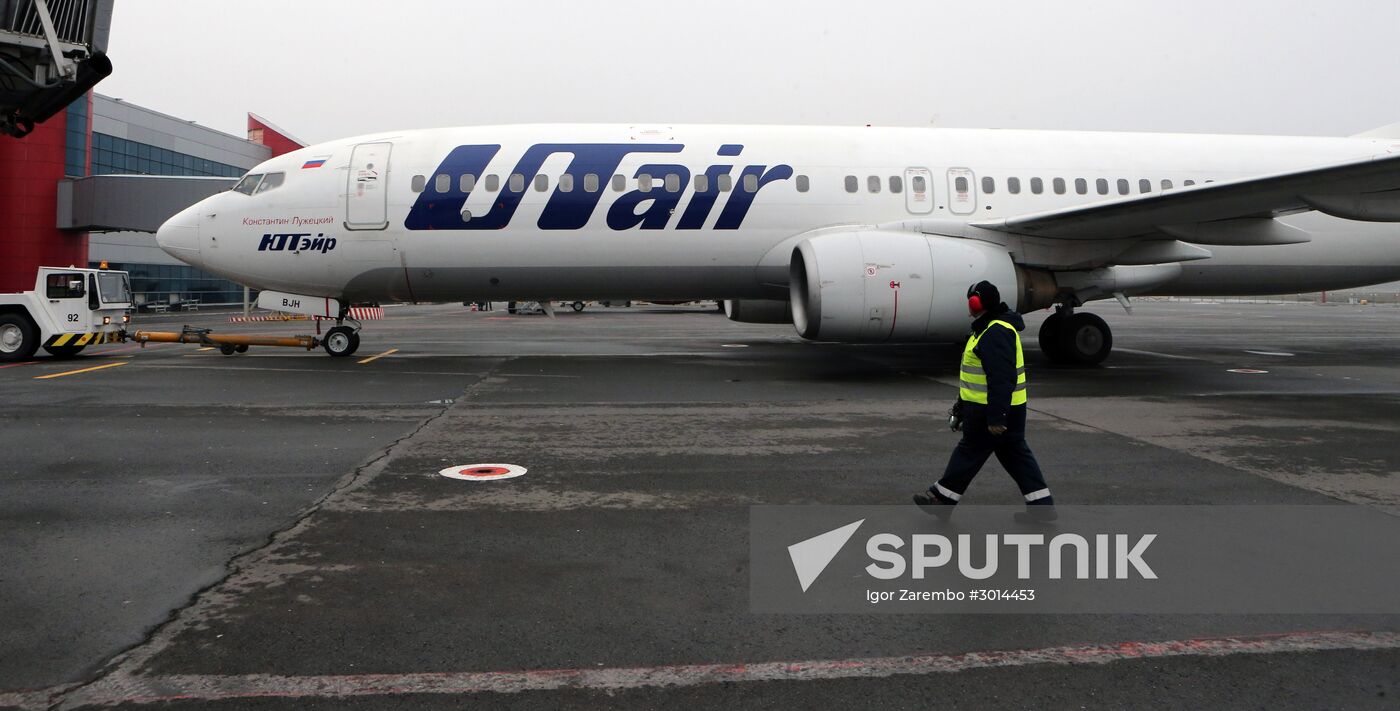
(51,53)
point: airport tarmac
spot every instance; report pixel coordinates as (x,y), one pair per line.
(269,530)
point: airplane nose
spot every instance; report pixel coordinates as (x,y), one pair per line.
(179,236)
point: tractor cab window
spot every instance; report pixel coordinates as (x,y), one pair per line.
(114,288)
(248,184)
(65,286)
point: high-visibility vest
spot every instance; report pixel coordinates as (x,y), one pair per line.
(973,379)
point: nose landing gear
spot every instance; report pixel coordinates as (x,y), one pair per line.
(1075,338)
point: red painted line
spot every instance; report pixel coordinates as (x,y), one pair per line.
(16,365)
(122,687)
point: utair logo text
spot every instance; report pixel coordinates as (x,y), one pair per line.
(1066,555)
(727,186)
(296,242)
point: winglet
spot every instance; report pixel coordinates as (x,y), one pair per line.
(1388,131)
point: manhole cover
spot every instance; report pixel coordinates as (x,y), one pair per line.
(483,472)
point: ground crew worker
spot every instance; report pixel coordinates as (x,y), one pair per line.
(992,402)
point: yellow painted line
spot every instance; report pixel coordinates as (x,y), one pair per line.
(84,370)
(371,359)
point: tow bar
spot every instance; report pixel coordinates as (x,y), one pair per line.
(227,344)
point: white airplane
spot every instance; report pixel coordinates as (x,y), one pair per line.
(863,235)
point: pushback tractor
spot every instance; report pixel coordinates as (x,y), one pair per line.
(68,310)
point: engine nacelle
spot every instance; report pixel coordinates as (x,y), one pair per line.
(758,311)
(883,286)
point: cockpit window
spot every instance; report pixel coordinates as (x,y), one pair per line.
(270,181)
(248,184)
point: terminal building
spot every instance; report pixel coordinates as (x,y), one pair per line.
(91,184)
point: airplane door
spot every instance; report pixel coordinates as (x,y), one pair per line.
(366,193)
(918,194)
(962,191)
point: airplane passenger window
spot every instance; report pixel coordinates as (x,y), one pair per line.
(493,183)
(896,184)
(1037,186)
(270,181)
(442,183)
(590,183)
(872,184)
(619,183)
(1123,188)
(467,183)
(1101,185)
(920,184)
(1081,186)
(644,183)
(1144,186)
(673,183)
(516,183)
(1189,182)
(1059,184)
(726,183)
(702,183)
(1166,185)
(541,183)
(1013,186)
(803,184)
(566,183)
(248,184)
(750,183)
(852,184)
(989,185)
(418,183)
(960,184)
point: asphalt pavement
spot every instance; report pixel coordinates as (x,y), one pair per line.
(270,530)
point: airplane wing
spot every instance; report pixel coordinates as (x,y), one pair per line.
(1367,189)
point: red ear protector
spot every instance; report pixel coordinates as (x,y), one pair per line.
(974,303)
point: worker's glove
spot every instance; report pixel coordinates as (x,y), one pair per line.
(955,416)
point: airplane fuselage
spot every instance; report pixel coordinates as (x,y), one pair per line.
(569,212)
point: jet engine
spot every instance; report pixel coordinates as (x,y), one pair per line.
(875,286)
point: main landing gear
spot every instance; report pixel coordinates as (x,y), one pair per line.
(1075,338)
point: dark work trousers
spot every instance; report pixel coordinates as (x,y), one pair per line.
(977,444)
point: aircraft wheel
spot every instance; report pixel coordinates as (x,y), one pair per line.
(341,341)
(242,348)
(228,349)
(18,338)
(1085,339)
(64,351)
(577,306)
(1051,333)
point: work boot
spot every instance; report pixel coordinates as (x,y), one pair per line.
(933,505)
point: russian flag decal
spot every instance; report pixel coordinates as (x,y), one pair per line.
(313,163)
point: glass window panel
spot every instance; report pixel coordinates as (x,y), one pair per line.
(989,185)
(619,183)
(566,183)
(493,183)
(1123,187)
(442,183)
(803,183)
(590,183)
(852,184)
(1037,186)
(517,183)
(541,183)
(872,183)
(467,183)
(1101,185)
(896,184)
(1144,186)
(1166,185)
(644,183)
(750,183)
(726,183)
(1081,186)
(702,183)
(1013,186)
(673,183)
(418,183)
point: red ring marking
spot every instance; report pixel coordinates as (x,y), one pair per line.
(484,471)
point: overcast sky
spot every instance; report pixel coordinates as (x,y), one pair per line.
(326,69)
